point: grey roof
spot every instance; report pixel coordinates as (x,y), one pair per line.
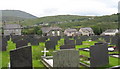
(71,30)
(88,29)
(111,30)
(11,26)
(47,29)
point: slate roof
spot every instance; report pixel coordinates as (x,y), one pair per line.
(87,29)
(110,30)
(71,30)
(11,26)
(47,29)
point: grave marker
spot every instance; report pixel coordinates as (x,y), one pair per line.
(64,58)
(21,57)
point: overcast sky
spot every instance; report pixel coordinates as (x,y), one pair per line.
(42,8)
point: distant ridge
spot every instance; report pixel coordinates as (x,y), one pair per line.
(16,15)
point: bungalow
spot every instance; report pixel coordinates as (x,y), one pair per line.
(110,32)
(51,31)
(87,31)
(71,32)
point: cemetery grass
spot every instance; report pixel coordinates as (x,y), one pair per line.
(36,53)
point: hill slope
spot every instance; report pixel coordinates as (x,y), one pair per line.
(15,15)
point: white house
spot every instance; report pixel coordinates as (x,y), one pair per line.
(51,31)
(87,31)
(110,32)
(72,32)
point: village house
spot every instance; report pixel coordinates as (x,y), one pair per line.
(110,32)
(51,31)
(12,29)
(87,31)
(72,32)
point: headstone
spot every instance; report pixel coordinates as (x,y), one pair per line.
(21,43)
(21,58)
(78,42)
(34,41)
(99,55)
(50,45)
(66,58)
(70,42)
(68,46)
(4,44)
(43,39)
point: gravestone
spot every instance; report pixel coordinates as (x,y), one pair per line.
(84,38)
(78,42)
(50,45)
(70,42)
(114,40)
(4,44)
(68,46)
(34,41)
(43,39)
(21,43)
(107,38)
(21,58)
(15,38)
(99,55)
(66,58)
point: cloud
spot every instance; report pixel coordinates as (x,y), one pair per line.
(60,7)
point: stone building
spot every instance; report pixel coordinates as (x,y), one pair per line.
(12,29)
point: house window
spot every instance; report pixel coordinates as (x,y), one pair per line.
(53,33)
(58,33)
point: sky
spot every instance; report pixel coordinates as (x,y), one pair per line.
(41,8)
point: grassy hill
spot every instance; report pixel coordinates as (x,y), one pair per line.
(98,23)
(14,16)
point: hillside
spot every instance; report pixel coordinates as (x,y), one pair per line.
(15,15)
(98,23)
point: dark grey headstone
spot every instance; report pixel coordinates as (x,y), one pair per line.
(4,44)
(34,41)
(68,46)
(21,57)
(99,55)
(66,58)
(50,45)
(21,43)
(43,39)
(78,42)
(70,42)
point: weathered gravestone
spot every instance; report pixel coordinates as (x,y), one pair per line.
(34,41)
(107,38)
(99,55)
(43,39)
(84,38)
(70,42)
(78,42)
(21,43)
(50,45)
(21,58)
(4,44)
(68,46)
(114,40)
(66,58)
(15,38)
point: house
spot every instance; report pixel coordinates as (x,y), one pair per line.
(87,31)
(110,32)
(12,29)
(71,32)
(51,31)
